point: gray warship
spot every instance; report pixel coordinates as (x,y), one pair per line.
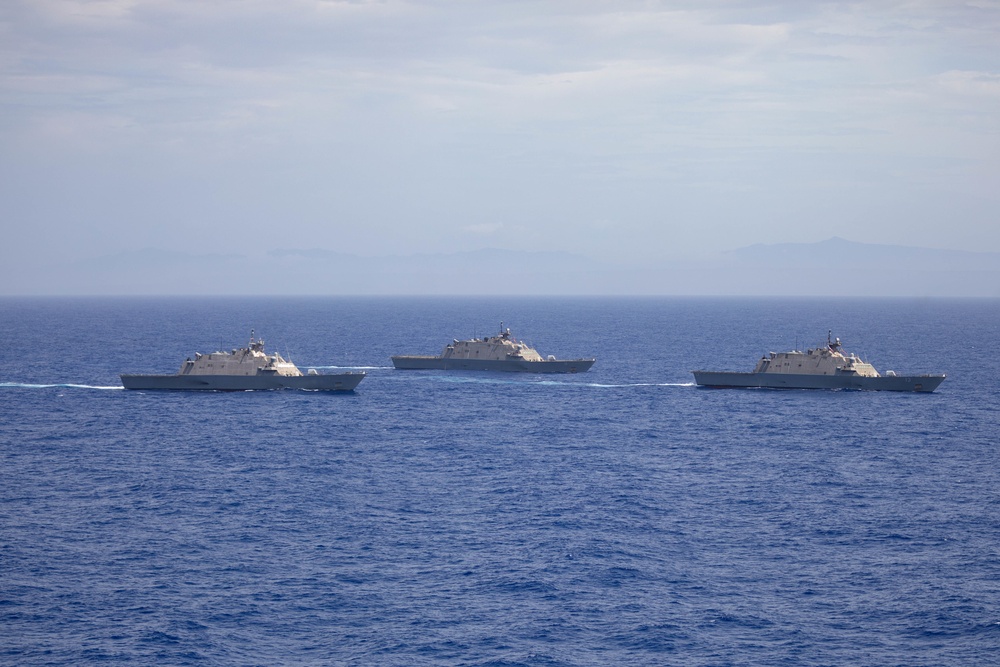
(818,368)
(243,369)
(495,353)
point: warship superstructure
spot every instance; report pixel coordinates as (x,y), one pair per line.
(244,369)
(501,352)
(824,367)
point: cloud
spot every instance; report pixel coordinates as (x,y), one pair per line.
(367,124)
(981,85)
(82,13)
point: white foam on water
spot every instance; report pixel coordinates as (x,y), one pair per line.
(68,385)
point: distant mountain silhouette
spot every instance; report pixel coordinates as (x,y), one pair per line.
(840,252)
(848,268)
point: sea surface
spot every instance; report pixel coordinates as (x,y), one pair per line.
(617,517)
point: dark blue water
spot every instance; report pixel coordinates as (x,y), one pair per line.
(618,517)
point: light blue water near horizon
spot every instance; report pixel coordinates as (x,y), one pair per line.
(621,516)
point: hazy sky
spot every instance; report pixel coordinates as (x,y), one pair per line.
(613,129)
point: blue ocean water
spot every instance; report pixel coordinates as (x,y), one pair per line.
(617,517)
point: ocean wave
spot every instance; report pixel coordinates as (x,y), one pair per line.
(349,368)
(60,385)
(515,379)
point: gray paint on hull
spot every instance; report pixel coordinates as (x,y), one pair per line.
(918,383)
(331,382)
(416,362)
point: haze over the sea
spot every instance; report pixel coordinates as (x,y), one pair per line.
(835,267)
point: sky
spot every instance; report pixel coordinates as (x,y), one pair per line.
(621,131)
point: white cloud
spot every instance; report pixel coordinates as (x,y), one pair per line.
(93,13)
(979,86)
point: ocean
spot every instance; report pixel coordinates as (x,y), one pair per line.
(617,517)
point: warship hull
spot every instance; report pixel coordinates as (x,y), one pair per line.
(418,362)
(331,382)
(726,380)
